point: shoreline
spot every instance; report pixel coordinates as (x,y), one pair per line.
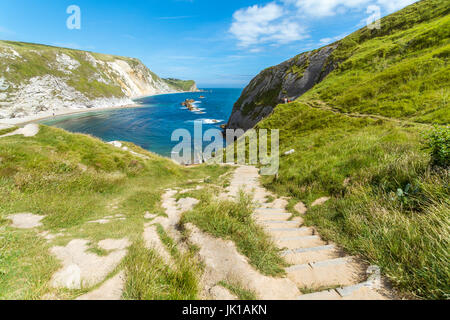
(5,123)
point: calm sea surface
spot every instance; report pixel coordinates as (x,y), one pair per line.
(151,125)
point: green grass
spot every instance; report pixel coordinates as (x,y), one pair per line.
(7,130)
(149,278)
(359,138)
(388,204)
(297,70)
(72,179)
(233,221)
(400,71)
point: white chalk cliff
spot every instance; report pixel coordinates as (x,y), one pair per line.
(35,79)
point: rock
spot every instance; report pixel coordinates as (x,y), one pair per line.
(111,290)
(289,80)
(83,268)
(221,293)
(111,244)
(82,167)
(25,220)
(116,144)
(223,262)
(30,130)
(292,151)
(301,208)
(320,201)
(53,93)
(69,277)
(49,236)
(149,215)
(101,221)
(186,204)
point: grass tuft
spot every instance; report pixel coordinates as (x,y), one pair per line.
(233,221)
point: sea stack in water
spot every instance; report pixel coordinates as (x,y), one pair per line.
(189,104)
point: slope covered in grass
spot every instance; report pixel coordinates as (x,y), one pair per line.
(388,203)
(399,71)
(74,179)
(181,85)
(360,138)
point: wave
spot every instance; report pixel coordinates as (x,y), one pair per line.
(206,121)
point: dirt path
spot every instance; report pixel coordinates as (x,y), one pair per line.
(320,269)
(318,104)
(30,130)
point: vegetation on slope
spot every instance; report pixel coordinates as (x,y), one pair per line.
(361,137)
(388,203)
(232,220)
(400,71)
(180,85)
(7,130)
(72,179)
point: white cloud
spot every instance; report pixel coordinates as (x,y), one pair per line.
(326,41)
(324,8)
(265,24)
(285,21)
(394,5)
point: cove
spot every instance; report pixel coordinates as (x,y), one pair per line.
(150,126)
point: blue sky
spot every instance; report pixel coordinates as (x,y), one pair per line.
(217,43)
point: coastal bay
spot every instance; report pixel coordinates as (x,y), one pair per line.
(152,120)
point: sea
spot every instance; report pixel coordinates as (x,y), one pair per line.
(151,125)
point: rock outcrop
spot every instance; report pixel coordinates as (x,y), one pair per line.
(287,81)
(37,78)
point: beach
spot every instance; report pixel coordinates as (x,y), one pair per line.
(6,123)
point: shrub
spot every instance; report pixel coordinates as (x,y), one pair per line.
(438,141)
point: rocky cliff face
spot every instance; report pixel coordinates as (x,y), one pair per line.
(37,78)
(289,80)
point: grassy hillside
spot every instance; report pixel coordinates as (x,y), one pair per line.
(71,180)
(359,138)
(400,71)
(182,85)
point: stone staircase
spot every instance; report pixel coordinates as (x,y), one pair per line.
(318,266)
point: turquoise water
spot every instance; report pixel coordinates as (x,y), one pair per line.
(151,125)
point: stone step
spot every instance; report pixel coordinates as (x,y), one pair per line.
(269,224)
(321,295)
(290,232)
(299,242)
(272,216)
(311,255)
(360,291)
(269,210)
(272,212)
(336,272)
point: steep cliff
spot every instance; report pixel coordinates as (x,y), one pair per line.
(289,80)
(37,78)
